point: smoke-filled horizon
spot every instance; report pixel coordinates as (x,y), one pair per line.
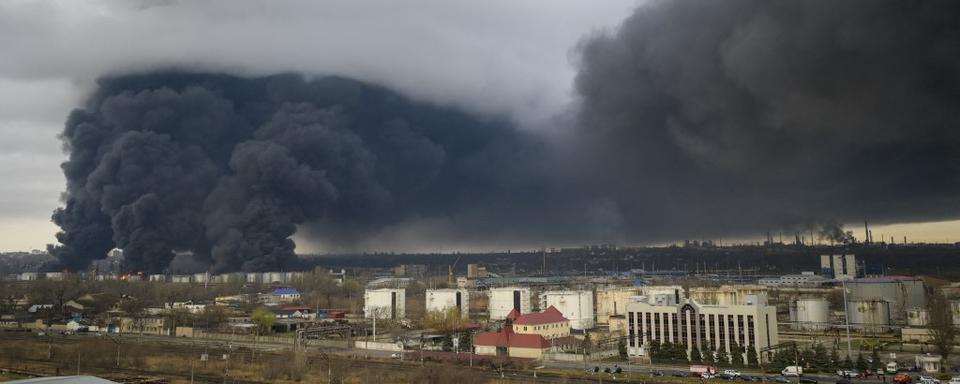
(691,120)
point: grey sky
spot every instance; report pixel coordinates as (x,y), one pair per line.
(490,57)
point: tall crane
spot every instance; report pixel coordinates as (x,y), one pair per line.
(450,269)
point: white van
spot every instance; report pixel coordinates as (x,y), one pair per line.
(792,370)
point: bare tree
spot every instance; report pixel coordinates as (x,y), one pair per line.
(942,330)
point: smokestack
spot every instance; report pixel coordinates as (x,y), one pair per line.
(866,232)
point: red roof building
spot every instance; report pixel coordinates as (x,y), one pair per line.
(549,316)
(526,336)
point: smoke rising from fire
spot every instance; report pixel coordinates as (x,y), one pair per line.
(691,120)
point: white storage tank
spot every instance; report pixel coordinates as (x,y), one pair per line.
(872,315)
(384,303)
(505,299)
(441,300)
(955,310)
(810,314)
(576,306)
(201,277)
(612,301)
(918,317)
(273,277)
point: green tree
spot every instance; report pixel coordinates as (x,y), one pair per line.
(723,358)
(736,355)
(654,347)
(861,363)
(847,363)
(875,356)
(709,358)
(264,319)
(622,349)
(752,358)
(696,356)
(820,359)
(834,359)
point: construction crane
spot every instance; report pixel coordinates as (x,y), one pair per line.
(450,269)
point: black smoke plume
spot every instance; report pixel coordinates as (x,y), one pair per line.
(693,119)
(726,117)
(226,168)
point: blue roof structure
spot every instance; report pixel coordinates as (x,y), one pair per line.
(285,291)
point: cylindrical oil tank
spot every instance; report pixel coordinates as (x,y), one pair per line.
(918,317)
(811,313)
(872,315)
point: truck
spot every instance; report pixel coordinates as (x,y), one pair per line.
(792,370)
(700,370)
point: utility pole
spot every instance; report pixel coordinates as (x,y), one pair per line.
(846,317)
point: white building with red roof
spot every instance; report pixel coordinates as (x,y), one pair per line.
(526,336)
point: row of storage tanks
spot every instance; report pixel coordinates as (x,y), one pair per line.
(581,307)
(575,305)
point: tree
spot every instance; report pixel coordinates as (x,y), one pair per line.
(654,347)
(622,349)
(722,357)
(940,323)
(264,319)
(466,342)
(708,358)
(752,358)
(445,321)
(861,363)
(696,356)
(213,316)
(736,355)
(847,363)
(834,359)
(875,357)
(177,317)
(820,360)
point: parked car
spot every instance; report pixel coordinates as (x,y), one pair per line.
(678,374)
(902,378)
(707,375)
(656,373)
(846,373)
(808,380)
(792,370)
(725,376)
(955,380)
(732,372)
(395,355)
(924,379)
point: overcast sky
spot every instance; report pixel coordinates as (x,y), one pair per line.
(489,57)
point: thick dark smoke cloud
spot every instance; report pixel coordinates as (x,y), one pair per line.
(694,119)
(733,116)
(227,168)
